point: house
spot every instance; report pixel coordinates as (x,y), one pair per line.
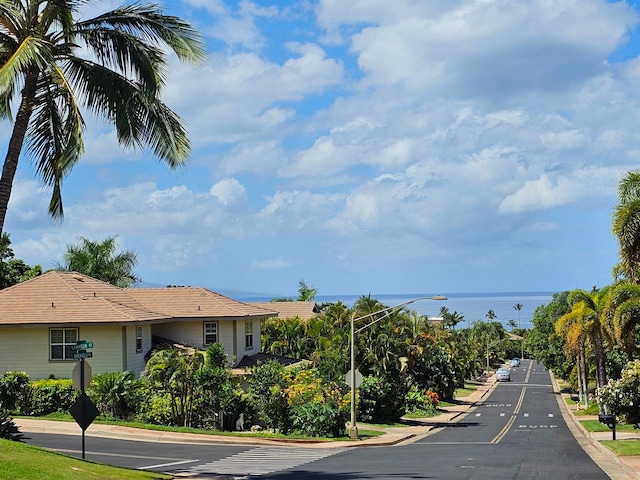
(304,310)
(42,319)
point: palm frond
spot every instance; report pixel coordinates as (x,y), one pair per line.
(149,22)
(32,52)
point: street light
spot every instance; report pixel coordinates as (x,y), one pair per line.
(353,428)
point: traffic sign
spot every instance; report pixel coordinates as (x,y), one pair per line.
(358,375)
(82,345)
(82,354)
(76,375)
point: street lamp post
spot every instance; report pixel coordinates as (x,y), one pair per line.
(353,427)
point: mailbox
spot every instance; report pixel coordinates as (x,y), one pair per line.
(608,420)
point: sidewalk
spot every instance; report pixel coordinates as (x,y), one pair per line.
(391,436)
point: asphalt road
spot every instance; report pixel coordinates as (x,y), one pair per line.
(517,432)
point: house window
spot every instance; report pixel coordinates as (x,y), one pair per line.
(248,334)
(210,332)
(61,341)
(138,339)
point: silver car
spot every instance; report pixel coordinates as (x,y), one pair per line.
(503,375)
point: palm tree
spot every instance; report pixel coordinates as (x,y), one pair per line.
(491,315)
(450,319)
(626,226)
(305,292)
(99,260)
(113,64)
(571,329)
(622,315)
(588,310)
(517,307)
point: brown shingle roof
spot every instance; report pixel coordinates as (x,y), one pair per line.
(196,302)
(58,297)
(304,310)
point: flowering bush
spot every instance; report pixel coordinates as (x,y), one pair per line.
(622,397)
(317,407)
(421,402)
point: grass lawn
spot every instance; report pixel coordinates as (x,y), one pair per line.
(65,417)
(596,426)
(19,460)
(623,447)
(468,389)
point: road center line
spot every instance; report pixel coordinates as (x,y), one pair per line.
(506,428)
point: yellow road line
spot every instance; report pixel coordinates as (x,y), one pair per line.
(516,410)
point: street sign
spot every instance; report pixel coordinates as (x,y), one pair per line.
(82,345)
(347,378)
(82,354)
(84,411)
(76,375)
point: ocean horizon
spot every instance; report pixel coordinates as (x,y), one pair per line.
(472,306)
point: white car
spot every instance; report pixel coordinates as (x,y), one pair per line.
(515,362)
(503,375)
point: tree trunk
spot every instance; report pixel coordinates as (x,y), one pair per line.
(16,142)
(601,371)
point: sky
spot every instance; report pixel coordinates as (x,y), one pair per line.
(370,147)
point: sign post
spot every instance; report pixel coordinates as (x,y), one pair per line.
(83,410)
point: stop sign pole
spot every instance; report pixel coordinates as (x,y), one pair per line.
(83,410)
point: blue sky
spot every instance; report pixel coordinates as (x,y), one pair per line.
(373,147)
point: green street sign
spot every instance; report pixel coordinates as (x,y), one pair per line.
(82,354)
(82,345)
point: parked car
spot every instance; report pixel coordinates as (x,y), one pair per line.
(515,362)
(503,375)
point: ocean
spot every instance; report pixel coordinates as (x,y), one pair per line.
(473,306)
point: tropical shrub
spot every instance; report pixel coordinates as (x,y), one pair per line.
(116,394)
(268,396)
(421,402)
(156,407)
(317,407)
(8,429)
(381,400)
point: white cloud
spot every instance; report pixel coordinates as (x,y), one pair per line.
(227,191)
(548,192)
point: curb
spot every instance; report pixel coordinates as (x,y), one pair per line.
(566,412)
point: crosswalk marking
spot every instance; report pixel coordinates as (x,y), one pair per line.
(263,460)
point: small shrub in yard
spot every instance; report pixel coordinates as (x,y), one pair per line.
(8,429)
(419,401)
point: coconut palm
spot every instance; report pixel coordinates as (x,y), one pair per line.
(622,315)
(571,328)
(100,260)
(626,226)
(588,311)
(517,307)
(114,65)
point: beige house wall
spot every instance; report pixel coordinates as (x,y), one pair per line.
(230,335)
(134,360)
(27,350)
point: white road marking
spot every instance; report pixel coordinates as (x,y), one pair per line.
(263,460)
